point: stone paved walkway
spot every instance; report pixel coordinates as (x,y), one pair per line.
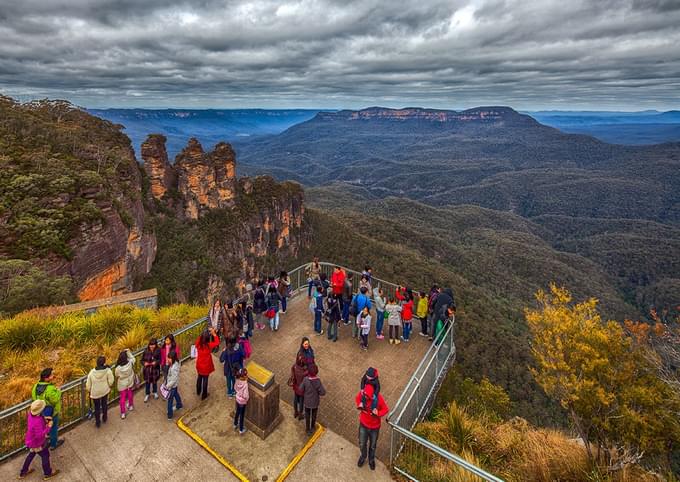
(146,446)
(341,366)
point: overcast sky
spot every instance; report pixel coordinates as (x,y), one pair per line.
(565,54)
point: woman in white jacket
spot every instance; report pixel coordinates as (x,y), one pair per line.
(98,384)
(125,374)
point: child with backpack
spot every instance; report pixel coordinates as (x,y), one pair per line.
(370,378)
(242,397)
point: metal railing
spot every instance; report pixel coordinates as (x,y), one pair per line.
(75,403)
(410,455)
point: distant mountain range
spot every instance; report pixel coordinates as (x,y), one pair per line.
(208,126)
(617,205)
(632,128)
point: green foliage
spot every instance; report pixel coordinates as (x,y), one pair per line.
(70,342)
(483,399)
(24,286)
(189,252)
(55,158)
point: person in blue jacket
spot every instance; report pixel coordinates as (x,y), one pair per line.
(318,309)
(232,356)
(360,301)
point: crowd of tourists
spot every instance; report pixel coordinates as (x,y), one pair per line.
(228,331)
(337,301)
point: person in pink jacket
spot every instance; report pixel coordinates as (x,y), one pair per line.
(37,430)
(242,397)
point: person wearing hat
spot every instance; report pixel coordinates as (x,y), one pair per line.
(47,391)
(242,397)
(37,431)
(370,378)
(369,424)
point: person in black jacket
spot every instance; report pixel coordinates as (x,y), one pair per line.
(333,316)
(444,299)
(259,305)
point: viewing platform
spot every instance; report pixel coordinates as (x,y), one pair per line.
(147,446)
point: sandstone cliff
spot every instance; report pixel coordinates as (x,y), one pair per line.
(216,232)
(71,199)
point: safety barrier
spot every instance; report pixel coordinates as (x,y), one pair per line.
(410,455)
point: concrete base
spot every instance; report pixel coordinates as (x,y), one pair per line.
(255,458)
(263,414)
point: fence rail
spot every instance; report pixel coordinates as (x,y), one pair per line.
(411,455)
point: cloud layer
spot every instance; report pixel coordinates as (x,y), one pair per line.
(617,54)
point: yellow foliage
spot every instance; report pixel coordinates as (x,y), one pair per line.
(71,342)
(591,368)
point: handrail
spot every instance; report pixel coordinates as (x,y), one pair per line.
(447,455)
(73,383)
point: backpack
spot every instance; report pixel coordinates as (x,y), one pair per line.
(354,307)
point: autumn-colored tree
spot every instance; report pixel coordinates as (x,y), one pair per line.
(617,403)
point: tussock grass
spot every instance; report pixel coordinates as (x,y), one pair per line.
(513,450)
(70,342)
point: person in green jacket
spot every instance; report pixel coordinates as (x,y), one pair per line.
(46,390)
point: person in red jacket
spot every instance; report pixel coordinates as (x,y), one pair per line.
(204,360)
(338,281)
(407,317)
(369,423)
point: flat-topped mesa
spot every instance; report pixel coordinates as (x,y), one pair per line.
(490,114)
(161,174)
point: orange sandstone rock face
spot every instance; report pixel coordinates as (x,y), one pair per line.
(155,156)
(105,284)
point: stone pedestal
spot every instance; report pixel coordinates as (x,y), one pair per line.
(262,413)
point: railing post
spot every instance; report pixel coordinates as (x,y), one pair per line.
(83,401)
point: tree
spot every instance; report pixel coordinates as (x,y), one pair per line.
(616,402)
(24,286)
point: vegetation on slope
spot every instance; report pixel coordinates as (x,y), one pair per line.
(190,253)
(57,165)
(71,342)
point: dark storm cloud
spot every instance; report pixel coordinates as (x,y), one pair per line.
(324,53)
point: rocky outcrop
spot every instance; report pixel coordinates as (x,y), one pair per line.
(259,222)
(203,180)
(161,174)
